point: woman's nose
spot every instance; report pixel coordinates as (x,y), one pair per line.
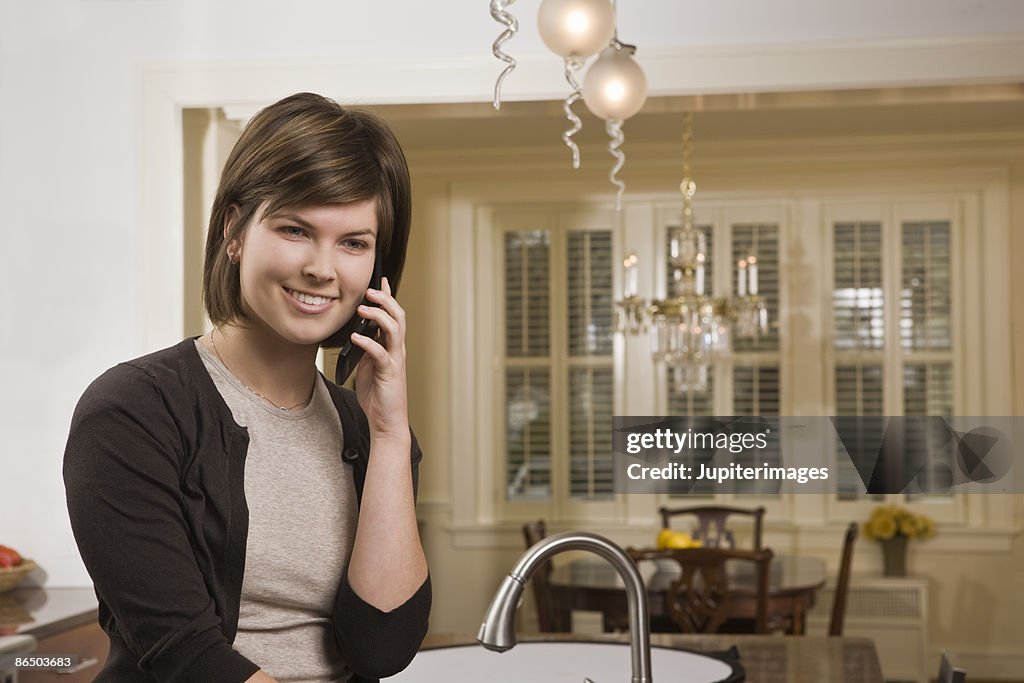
(319,266)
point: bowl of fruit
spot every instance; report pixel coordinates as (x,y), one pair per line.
(13,568)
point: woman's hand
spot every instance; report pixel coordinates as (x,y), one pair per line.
(380,376)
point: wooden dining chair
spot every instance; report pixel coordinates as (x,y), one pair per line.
(711,529)
(547,611)
(835,627)
(949,673)
(699,600)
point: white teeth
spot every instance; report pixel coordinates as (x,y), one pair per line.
(307,299)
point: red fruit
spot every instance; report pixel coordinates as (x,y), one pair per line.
(9,557)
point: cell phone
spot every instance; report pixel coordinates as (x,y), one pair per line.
(350,354)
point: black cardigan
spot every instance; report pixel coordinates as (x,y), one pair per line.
(154,470)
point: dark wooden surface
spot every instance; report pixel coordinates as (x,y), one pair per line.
(590,584)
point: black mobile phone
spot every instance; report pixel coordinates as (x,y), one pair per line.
(350,354)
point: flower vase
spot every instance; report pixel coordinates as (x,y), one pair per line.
(894,552)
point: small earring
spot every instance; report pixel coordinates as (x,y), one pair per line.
(232,257)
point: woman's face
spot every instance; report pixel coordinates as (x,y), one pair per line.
(304,270)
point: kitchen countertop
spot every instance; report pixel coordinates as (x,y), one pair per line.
(42,612)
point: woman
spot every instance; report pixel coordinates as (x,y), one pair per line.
(242,518)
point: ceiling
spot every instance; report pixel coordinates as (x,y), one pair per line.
(952,109)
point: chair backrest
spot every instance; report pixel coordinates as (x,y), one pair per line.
(699,600)
(711,529)
(949,673)
(835,627)
(547,611)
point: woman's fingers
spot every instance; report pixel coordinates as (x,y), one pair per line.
(382,297)
(391,327)
(372,349)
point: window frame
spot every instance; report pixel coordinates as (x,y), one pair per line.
(981,191)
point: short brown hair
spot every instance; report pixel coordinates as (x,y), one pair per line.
(306,150)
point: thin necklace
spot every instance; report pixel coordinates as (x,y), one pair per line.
(221,359)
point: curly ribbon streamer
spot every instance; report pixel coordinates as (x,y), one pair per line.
(614,130)
(571,67)
(512,27)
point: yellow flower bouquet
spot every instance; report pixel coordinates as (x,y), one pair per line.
(893,526)
(889,521)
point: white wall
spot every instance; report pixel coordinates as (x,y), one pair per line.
(71,113)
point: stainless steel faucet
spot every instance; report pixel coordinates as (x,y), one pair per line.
(498,630)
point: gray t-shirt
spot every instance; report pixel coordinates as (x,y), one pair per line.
(302,522)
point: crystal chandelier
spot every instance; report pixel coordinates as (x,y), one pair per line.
(690,330)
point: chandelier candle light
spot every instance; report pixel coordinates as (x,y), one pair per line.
(689,329)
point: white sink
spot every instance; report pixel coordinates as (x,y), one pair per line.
(557,662)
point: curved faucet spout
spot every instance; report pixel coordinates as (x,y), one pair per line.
(498,629)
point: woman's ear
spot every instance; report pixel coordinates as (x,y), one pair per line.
(233,245)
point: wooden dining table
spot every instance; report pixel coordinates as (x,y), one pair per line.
(765,659)
(591,584)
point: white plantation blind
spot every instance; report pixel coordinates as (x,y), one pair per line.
(590,433)
(923,367)
(528,426)
(590,336)
(858,302)
(859,391)
(858,313)
(926,338)
(542,439)
(528,433)
(693,402)
(589,287)
(762,241)
(756,390)
(925,302)
(527,287)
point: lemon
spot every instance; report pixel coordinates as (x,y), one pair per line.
(664,536)
(680,540)
(676,539)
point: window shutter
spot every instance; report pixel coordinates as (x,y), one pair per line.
(762,241)
(692,403)
(527,384)
(925,304)
(928,389)
(590,338)
(527,287)
(528,433)
(756,390)
(590,306)
(858,302)
(858,392)
(590,432)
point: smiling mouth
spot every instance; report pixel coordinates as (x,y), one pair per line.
(309,299)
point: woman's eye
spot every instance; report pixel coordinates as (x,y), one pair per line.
(293,231)
(355,244)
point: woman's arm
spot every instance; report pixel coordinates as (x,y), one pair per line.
(387,565)
(122,475)
(384,600)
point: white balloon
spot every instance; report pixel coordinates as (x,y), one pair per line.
(576,28)
(615,86)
